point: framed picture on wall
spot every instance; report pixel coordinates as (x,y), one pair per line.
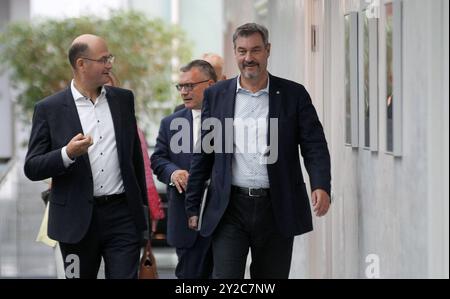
(351,79)
(393,76)
(368,80)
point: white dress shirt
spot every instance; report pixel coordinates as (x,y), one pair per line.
(196,125)
(96,121)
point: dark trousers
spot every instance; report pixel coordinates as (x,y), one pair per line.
(112,235)
(247,223)
(195,262)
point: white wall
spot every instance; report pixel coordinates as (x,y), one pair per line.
(285,18)
(345,214)
(445,153)
(438,150)
(384,205)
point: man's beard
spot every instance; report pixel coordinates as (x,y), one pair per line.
(251,74)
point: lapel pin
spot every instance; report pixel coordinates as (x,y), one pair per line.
(278,92)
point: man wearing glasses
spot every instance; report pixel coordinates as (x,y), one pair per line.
(84,137)
(217,62)
(171,162)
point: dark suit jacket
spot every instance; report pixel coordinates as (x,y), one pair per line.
(55,123)
(178,108)
(298,124)
(164,162)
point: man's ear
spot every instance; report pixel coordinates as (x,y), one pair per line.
(79,63)
(268,48)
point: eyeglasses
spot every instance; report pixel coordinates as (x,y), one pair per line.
(189,86)
(105,59)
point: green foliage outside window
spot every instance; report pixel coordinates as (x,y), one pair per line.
(35,56)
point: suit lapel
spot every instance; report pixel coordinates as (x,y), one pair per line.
(229,102)
(114,107)
(275,94)
(229,95)
(71,113)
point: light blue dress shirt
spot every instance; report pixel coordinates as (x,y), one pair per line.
(250,138)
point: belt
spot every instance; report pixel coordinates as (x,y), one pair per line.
(100,200)
(251,192)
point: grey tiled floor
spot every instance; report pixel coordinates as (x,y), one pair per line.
(21,211)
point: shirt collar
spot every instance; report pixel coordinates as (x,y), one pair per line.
(196,113)
(77,94)
(240,88)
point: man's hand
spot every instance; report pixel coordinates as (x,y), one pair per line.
(180,179)
(193,222)
(78,145)
(320,201)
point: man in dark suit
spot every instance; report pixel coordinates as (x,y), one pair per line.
(216,61)
(84,137)
(257,199)
(171,161)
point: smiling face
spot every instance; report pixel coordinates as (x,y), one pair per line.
(193,98)
(98,72)
(93,71)
(251,56)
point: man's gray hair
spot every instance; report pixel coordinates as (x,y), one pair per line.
(204,67)
(250,29)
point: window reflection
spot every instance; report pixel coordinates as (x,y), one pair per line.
(389,78)
(348,118)
(366,82)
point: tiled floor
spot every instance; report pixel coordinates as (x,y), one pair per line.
(21,211)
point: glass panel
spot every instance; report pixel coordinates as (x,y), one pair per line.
(389,79)
(366,82)
(348,114)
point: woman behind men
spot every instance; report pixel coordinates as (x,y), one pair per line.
(154,202)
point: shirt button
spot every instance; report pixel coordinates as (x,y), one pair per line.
(98,121)
(102,170)
(101,154)
(101,137)
(101,186)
